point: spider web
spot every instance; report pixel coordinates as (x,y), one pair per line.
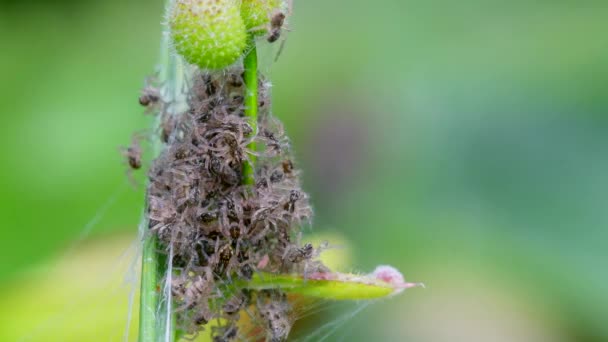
(110,302)
(105,303)
(92,282)
(312,319)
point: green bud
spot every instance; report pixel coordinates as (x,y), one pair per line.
(208,33)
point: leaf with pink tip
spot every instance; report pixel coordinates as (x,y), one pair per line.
(385,281)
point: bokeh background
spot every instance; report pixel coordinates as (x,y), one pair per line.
(464,142)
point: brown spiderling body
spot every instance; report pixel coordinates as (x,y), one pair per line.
(274,311)
(150,96)
(132,153)
(276,24)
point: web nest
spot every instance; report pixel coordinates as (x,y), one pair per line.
(218,228)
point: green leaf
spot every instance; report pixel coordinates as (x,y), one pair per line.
(333,286)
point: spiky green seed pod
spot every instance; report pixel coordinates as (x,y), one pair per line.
(208,33)
(257,13)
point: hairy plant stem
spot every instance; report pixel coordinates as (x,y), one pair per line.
(150,274)
(250,63)
(156,322)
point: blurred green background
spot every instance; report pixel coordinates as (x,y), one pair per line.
(462,141)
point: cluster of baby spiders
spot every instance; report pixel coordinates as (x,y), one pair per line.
(218,228)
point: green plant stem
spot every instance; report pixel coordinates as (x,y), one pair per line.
(250,63)
(148,302)
(152,324)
